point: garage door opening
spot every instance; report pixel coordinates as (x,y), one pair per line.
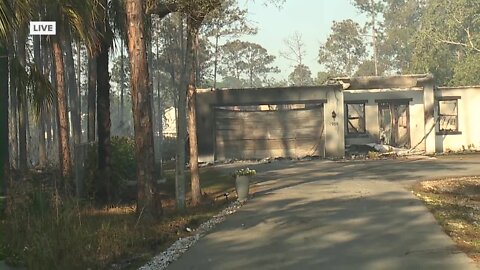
(269,130)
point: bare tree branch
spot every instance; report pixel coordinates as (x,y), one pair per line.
(469,45)
(469,36)
(295,48)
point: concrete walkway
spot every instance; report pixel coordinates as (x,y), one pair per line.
(335,215)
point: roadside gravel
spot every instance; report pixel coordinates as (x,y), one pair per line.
(162,260)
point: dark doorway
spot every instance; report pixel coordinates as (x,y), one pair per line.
(394,119)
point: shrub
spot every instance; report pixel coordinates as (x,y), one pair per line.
(244,172)
(124,167)
(169,150)
(41,231)
(123,170)
(123,158)
(91,184)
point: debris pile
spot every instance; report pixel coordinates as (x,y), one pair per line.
(370,150)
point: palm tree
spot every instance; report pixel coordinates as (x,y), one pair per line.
(25,78)
(77,16)
(9,21)
(4,153)
(21,37)
(71,83)
(103,97)
(39,64)
(91,98)
(62,108)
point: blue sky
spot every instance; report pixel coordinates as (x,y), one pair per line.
(311,18)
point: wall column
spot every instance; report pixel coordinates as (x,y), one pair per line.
(334,126)
(429,103)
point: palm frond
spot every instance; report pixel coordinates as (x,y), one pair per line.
(20,75)
(118,19)
(42,94)
(78,17)
(82,16)
(23,11)
(33,85)
(8,21)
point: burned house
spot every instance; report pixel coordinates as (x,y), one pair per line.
(401,111)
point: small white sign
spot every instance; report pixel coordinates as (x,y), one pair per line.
(43,28)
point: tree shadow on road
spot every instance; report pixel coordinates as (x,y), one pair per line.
(389,230)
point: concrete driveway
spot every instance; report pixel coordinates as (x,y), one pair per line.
(335,215)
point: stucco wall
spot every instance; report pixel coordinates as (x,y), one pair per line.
(334,127)
(169,123)
(418,89)
(416,108)
(468,119)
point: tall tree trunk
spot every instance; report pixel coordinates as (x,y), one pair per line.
(192,43)
(103,104)
(74,109)
(79,87)
(53,119)
(50,118)
(13,124)
(42,150)
(181,121)
(42,146)
(72,89)
(22,107)
(122,89)
(374,37)
(160,128)
(251,77)
(151,77)
(160,111)
(49,132)
(215,61)
(148,201)
(198,68)
(4,153)
(91,98)
(62,114)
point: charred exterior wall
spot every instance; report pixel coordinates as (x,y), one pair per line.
(371,99)
(329,95)
(291,133)
(417,90)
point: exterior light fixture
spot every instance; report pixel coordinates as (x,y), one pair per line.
(334,114)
